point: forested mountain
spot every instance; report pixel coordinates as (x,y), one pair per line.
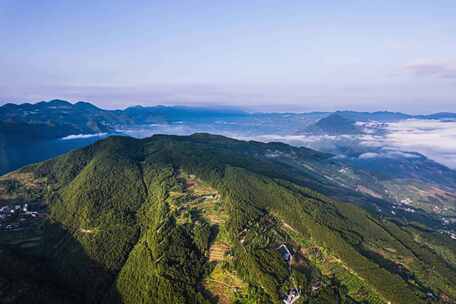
(208,219)
(33,132)
(84,117)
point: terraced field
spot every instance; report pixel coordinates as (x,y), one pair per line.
(223,285)
(218,251)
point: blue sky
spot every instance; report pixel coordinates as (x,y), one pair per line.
(264,55)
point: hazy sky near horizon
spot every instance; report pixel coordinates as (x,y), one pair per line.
(264,55)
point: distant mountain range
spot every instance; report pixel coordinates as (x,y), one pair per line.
(28,131)
(78,118)
(85,118)
(166,114)
(385,116)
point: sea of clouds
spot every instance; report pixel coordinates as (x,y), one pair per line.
(434,139)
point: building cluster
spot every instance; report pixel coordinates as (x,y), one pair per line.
(403,207)
(293,295)
(12,217)
(285,253)
(448,221)
(451,234)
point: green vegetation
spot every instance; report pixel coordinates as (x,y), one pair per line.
(200,219)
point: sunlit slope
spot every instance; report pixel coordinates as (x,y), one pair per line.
(200,219)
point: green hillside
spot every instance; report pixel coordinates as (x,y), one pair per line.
(205,219)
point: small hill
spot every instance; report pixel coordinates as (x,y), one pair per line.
(334,124)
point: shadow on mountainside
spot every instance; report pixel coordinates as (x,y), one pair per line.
(54,277)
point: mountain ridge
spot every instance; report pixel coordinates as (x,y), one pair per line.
(386,116)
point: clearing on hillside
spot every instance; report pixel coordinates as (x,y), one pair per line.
(200,201)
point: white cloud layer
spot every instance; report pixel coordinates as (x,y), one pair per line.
(388,154)
(432,69)
(82,136)
(432,138)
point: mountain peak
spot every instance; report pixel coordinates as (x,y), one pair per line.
(334,124)
(58,103)
(86,105)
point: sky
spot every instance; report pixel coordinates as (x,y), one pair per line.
(262,55)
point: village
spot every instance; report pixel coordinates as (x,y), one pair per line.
(17,217)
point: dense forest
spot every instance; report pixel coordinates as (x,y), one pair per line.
(208,219)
